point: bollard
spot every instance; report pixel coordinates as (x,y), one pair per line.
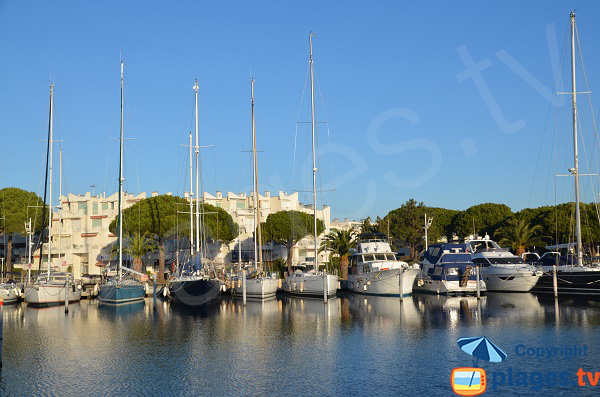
(1,327)
(554,281)
(325,289)
(244,286)
(400,286)
(67,295)
(478,284)
(154,290)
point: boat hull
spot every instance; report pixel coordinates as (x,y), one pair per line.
(385,283)
(519,281)
(119,294)
(195,292)
(447,287)
(44,295)
(9,295)
(259,288)
(570,283)
(310,285)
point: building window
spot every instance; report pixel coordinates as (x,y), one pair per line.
(240,205)
(76,225)
(95,208)
(96,223)
(218,205)
(104,206)
(82,206)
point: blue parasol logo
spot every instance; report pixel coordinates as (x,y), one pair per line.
(482,348)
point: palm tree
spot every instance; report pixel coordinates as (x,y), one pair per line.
(137,246)
(518,234)
(340,242)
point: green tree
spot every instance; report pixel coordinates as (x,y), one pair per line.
(518,234)
(340,242)
(136,246)
(17,207)
(406,224)
(368,227)
(484,218)
(287,228)
(161,216)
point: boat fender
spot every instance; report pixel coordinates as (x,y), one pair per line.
(17,292)
(96,290)
(420,282)
(165,291)
(22,289)
(74,288)
(146,289)
(79,287)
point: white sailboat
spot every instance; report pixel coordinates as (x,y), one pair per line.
(51,289)
(121,290)
(257,286)
(310,281)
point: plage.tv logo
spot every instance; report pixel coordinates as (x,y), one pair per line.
(468,381)
(472,381)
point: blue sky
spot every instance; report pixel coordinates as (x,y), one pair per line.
(403,121)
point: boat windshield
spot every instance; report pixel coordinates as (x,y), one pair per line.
(506,261)
(456,258)
(481,245)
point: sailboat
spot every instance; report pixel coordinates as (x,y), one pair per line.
(119,290)
(257,285)
(51,288)
(568,272)
(309,281)
(191,286)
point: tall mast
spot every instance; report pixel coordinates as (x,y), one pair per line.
(575,170)
(60,208)
(257,231)
(197,174)
(191,201)
(50,144)
(121,179)
(314,157)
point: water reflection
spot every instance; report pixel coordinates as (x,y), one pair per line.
(228,348)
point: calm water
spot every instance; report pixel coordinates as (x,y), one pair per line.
(355,345)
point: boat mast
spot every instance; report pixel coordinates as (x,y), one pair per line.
(191,202)
(60,208)
(314,158)
(575,169)
(50,211)
(197,147)
(121,179)
(257,231)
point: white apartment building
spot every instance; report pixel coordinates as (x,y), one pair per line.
(81,239)
(241,208)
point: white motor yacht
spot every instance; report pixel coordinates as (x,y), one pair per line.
(374,269)
(501,270)
(447,269)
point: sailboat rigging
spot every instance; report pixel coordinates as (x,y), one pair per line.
(121,290)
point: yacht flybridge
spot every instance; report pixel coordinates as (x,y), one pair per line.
(374,269)
(500,269)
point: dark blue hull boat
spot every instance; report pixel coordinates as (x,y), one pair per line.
(195,292)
